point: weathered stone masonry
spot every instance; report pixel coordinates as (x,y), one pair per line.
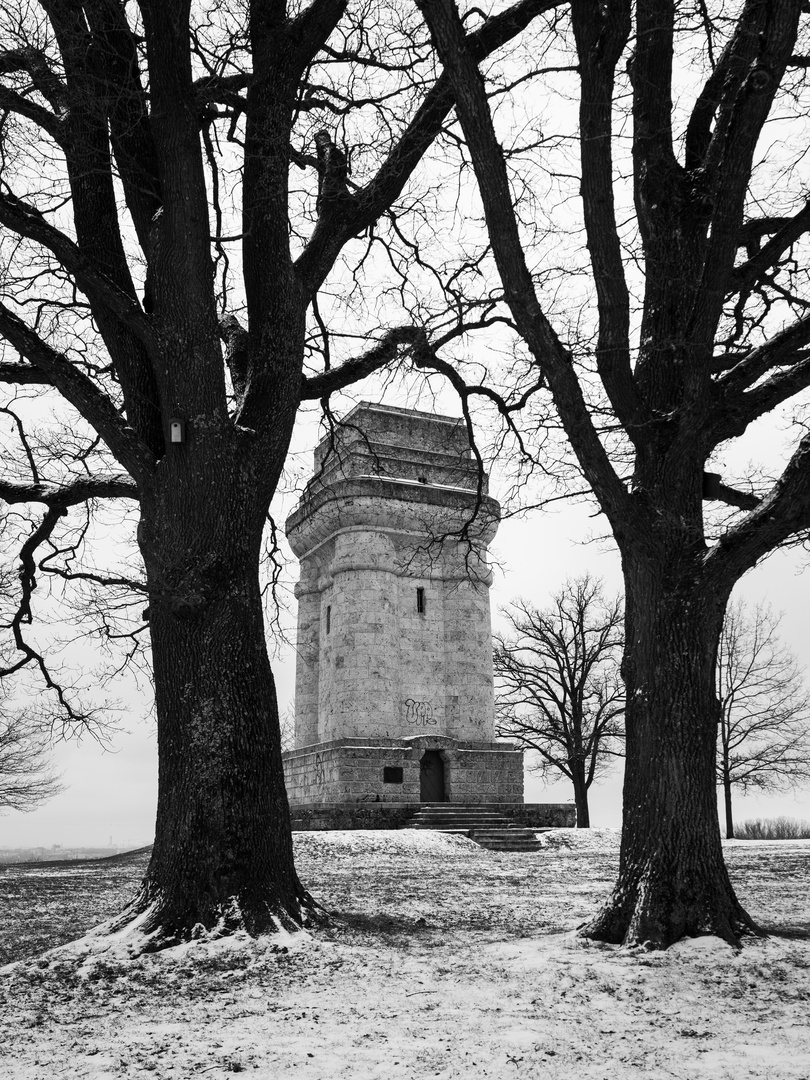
(394,691)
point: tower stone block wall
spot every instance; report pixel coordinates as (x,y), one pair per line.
(394,652)
(352,771)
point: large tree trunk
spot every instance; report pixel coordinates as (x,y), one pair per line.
(223,857)
(672,878)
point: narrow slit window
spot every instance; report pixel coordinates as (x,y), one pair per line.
(328,618)
(420,600)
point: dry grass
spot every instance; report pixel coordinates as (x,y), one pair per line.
(47,904)
(778,828)
(450,962)
(493,894)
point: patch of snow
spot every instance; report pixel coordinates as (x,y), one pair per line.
(381,842)
(706,946)
(594,841)
(444,960)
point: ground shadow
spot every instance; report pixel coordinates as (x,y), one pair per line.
(790,932)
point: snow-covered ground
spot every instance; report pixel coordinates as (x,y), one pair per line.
(443,960)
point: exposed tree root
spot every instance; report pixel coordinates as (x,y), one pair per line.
(655,918)
(152,922)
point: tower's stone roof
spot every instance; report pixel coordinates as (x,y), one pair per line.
(387,467)
(403,444)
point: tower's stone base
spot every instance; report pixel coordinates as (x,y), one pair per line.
(388,815)
(391,771)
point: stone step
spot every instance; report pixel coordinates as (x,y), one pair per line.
(504,845)
(469,811)
(468,815)
(456,819)
(449,806)
(485,824)
(511,832)
(451,832)
(514,838)
(426,820)
(453,826)
(455,808)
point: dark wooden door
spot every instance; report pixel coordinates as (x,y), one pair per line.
(431,777)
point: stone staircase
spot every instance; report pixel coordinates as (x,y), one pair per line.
(482,823)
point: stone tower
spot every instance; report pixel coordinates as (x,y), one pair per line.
(394,698)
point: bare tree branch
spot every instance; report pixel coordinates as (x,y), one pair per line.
(787,232)
(602,31)
(24,374)
(785,510)
(27,221)
(779,350)
(718,492)
(74,713)
(351,371)
(35,63)
(365,207)
(490,169)
(60,497)
(23,106)
(92,403)
(130,125)
(26,781)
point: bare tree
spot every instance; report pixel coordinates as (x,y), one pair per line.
(690,323)
(26,779)
(287,729)
(558,690)
(195,200)
(764,731)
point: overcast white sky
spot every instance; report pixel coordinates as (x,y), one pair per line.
(110,796)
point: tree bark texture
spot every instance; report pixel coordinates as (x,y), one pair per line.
(223,856)
(672,878)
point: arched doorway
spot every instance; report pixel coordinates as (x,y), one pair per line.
(431,777)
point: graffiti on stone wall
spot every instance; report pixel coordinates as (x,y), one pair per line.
(320,772)
(419,713)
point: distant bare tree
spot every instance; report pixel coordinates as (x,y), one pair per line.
(764,729)
(26,780)
(286,721)
(558,688)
